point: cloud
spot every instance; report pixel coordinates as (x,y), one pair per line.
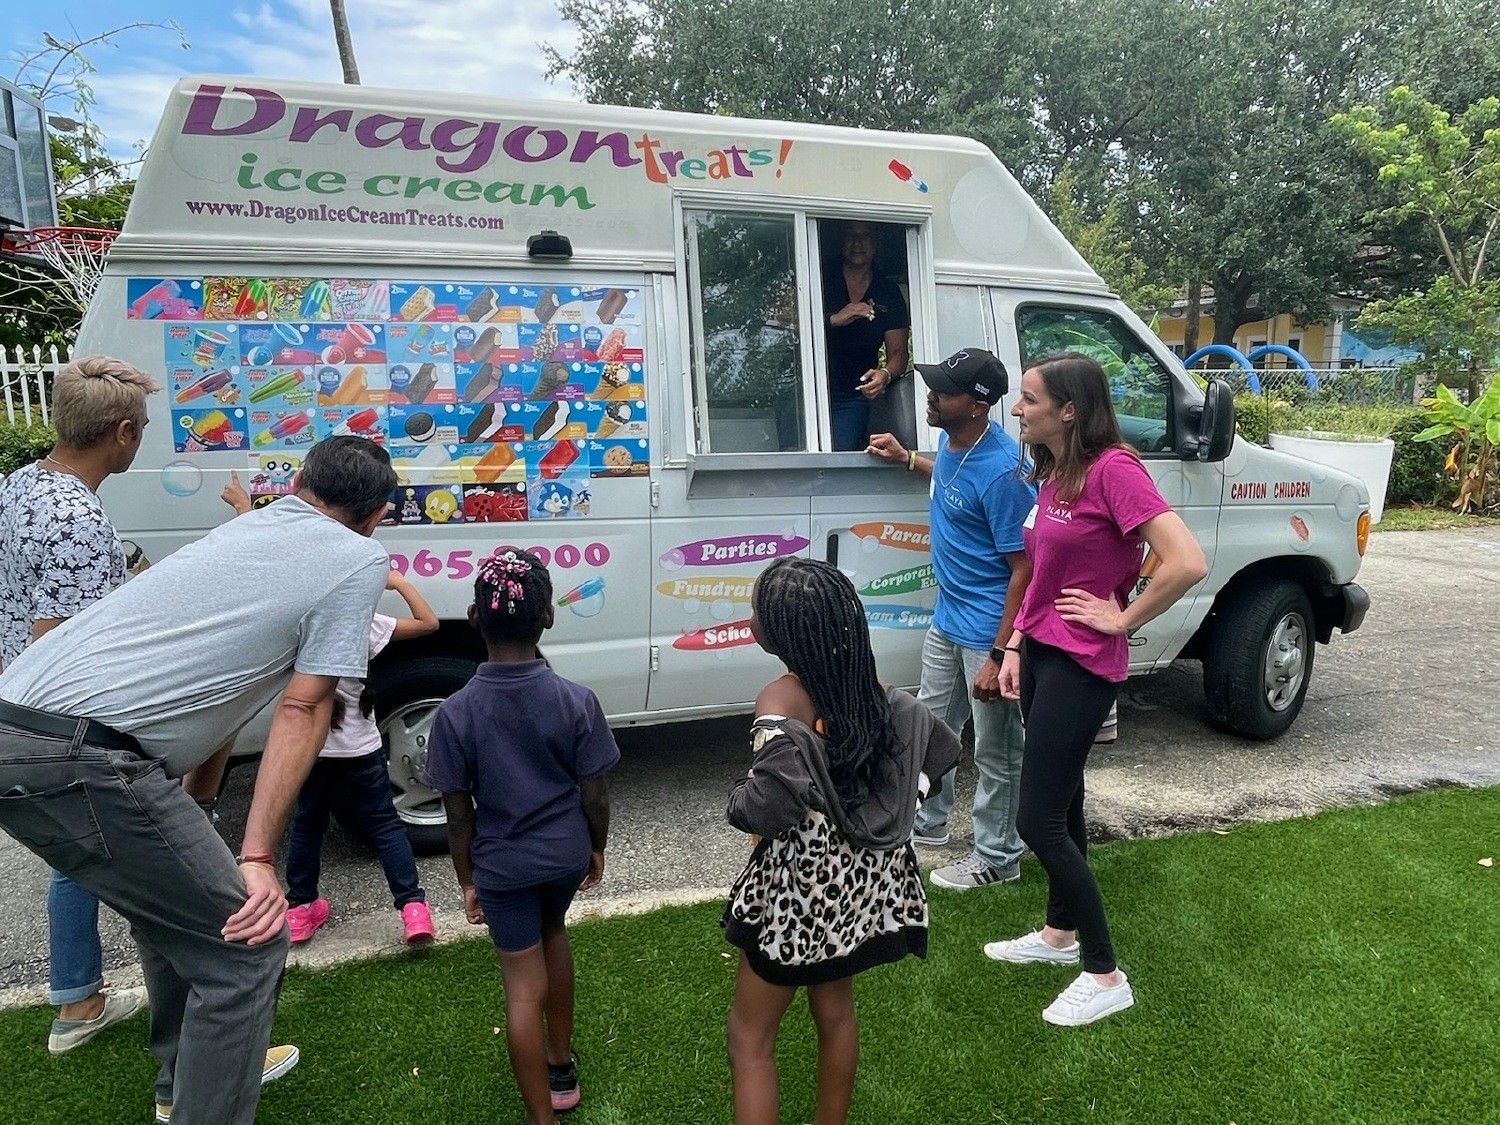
(474,46)
(486,47)
(128,105)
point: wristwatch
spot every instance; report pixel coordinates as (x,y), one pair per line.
(997,655)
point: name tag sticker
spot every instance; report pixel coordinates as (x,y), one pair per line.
(1030,518)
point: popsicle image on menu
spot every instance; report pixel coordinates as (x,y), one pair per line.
(556,460)
(215,380)
(360,423)
(277,385)
(284,428)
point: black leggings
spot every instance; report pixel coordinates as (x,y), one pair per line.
(1063,706)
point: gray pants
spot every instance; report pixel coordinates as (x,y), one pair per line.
(116,825)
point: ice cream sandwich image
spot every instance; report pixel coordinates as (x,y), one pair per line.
(485,346)
(483,306)
(422,383)
(418,305)
(420,427)
(611,306)
(486,426)
(553,376)
(486,382)
(546,305)
(551,422)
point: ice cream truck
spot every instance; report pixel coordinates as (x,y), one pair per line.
(596,333)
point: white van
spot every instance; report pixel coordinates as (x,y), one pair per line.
(590,331)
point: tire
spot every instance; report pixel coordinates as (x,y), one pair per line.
(1260,658)
(407,695)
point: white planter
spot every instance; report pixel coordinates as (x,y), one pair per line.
(1369,459)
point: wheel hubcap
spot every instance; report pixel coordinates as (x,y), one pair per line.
(406,732)
(1286,661)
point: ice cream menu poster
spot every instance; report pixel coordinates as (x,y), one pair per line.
(497,401)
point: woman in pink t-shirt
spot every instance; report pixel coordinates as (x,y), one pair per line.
(1095,508)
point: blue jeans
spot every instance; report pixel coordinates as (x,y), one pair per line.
(851,423)
(948,671)
(77,970)
(358,792)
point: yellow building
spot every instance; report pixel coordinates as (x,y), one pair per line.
(1320,343)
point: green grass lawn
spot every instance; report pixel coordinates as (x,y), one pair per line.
(1430,519)
(1336,969)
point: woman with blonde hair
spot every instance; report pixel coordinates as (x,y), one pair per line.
(58,555)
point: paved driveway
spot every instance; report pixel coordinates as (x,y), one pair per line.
(1407,703)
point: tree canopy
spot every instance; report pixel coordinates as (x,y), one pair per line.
(1197,130)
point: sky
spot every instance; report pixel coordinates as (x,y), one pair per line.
(470,46)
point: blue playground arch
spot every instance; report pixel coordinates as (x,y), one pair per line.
(1297,358)
(1234,356)
(1246,363)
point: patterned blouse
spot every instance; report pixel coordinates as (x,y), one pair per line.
(58,552)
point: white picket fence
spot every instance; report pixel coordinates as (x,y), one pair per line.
(26,383)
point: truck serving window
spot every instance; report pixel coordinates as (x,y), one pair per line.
(747,341)
(1138,383)
(776,367)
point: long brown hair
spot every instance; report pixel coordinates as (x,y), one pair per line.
(1079,379)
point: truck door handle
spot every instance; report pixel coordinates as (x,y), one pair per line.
(833,548)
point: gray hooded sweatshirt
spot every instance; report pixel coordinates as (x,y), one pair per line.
(790,775)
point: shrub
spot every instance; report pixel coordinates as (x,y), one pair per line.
(1250,417)
(21,445)
(1417,475)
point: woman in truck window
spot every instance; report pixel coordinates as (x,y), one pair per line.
(863,310)
(1095,506)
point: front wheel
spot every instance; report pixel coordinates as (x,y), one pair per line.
(1260,658)
(407,696)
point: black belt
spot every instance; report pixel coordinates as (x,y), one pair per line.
(66,726)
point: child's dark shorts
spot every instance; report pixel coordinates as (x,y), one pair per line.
(515,916)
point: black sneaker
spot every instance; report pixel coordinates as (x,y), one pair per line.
(564,1083)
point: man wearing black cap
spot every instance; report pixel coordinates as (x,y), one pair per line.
(979,504)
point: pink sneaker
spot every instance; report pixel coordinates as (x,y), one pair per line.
(416,924)
(304,920)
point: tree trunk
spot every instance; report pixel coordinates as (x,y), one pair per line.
(1232,306)
(1190,317)
(345,42)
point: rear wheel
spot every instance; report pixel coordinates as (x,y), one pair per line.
(407,696)
(1260,658)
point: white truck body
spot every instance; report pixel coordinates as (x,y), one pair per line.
(300,259)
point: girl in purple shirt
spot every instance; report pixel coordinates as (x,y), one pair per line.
(519,755)
(1095,507)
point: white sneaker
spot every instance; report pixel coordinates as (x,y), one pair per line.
(1086,1000)
(1031,950)
(118,1005)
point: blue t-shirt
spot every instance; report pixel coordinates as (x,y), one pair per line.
(978,507)
(518,738)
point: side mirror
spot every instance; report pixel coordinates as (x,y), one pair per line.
(1215,425)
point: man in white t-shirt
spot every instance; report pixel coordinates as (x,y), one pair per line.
(99,717)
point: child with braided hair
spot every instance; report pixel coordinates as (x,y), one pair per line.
(832,888)
(520,755)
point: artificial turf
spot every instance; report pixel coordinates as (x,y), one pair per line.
(1336,969)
